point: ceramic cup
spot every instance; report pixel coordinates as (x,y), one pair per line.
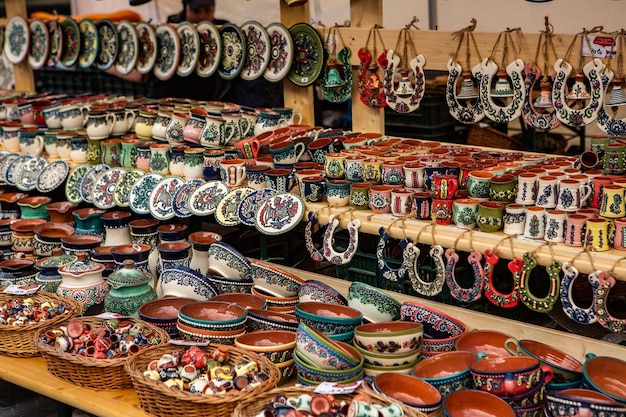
(31,141)
(514,219)
(547,189)
(478,184)
(380,198)
(287,152)
(614,155)
(280,179)
(509,376)
(423,202)
(233,172)
(526,188)
(337,193)
(572,195)
(597,232)
(248,148)
(464,211)
(314,189)
(598,183)
(359,195)
(613,202)
(441,211)
(535,225)
(414,175)
(401,202)
(372,171)
(354,168)
(444,186)
(555,226)
(299,175)
(334,165)
(575,227)
(256,175)
(503,188)
(490,216)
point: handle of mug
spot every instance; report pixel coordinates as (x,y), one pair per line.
(584,194)
(241,173)
(512,346)
(244,127)
(130,117)
(291,182)
(255,145)
(296,115)
(300,152)
(111,121)
(227,136)
(39,140)
(548,374)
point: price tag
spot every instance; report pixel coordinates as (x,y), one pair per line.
(599,46)
(107,316)
(21,289)
(178,342)
(335,388)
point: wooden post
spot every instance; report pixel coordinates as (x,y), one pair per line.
(22,72)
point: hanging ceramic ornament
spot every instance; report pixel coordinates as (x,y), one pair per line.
(615,98)
(340,258)
(395,275)
(370,85)
(530,300)
(492,294)
(602,282)
(316,254)
(428,288)
(570,308)
(470,294)
(337,77)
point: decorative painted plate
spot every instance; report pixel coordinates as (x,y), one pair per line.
(147,47)
(55,31)
(39,44)
(250,203)
(281,52)
(210,49)
(5,161)
(204,200)
(52,176)
(14,168)
(189,48)
(17,39)
(226,211)
(89,43)
(257,50)
(71,42)
(89,182)
(180,205)
(308,55)
(279,214)
(125,184)
(168,52)
(28,173)
(139,198)
(104,187)
(233,51)
(162,197)
(109,44)
(74,181)
(128,49)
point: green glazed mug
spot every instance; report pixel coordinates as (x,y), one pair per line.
(479,184)
(503,188)
(359,195)
(489,216)
(128,153)
(464,212)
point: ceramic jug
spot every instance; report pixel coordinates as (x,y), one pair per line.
(31,141)
(83,282)
(99,124)
(123,120)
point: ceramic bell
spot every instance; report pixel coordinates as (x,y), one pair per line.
(333,79)
(468,91)
(503,87)
(405,88)
(373,81)
(130,289)
(616,96)
(579,89)
(83,282)
(544,101)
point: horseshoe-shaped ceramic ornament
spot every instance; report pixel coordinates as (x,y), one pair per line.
(586,115)
(491,293)
(571,310)
(538,121)
(510,112)
(340,258)
(545,304)
(473,293)
(410,256)
(370,85)
(338,93)
(395,275)
(602,282)
(434,287)
(610,125)
(404,103)
(316,254)
(464,114)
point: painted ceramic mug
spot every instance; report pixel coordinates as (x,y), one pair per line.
(233,172)
(337,193)
(444,186)
(464,211)
(514,219)
(575,226)
(257,177)
(597,232)
(535,225)
(503,188)
(359,195)
(380,198)
(280,179)
(441,211)
(402,201)
(555,226)
(547,189)
(478,184)
(613,202)
(572,195)
(314,189)
(31,141)
(490,216)
(287,152)
(248,148)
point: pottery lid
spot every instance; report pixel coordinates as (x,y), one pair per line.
(57,260)
(81,266)
(128,276)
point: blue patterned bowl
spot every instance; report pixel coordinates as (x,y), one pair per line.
(227,261)
(271,320)
(324,352)
(312,290)
(182,281)
(375,304)
(342,337)
(313,373)
(274,281)
(328,318)
(580,402)
(163,313)
(227,285)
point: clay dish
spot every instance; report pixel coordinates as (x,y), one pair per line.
(389,336)
(163,309)
(54,230)
(247,301)
(486,341)
(444,365)
(472,403)
(212,312)
(410,390)
(606,375)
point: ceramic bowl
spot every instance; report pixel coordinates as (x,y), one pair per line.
(325,353)
(566,368)
(163,313)
(271,320)
(409,390)
(373,370)
(80,243)
(313,290)
(182,281)
(274,280)
(490,342)
(471,403)
(388,359)
(273,301)
(276,345)
(223,337)
(227,261)
(606,375)
(314,373)
(347,337)
(318,380)
(287,370)
(247,301)
(448,371)
(213,315)
(328,318)
(202,240)
(579,402)
(54,231)
(509,376)
(375,304)
(389,336)
(533,397)
(228,285)
(172,232)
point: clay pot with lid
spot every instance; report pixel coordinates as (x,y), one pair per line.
(130,289)
(83,282)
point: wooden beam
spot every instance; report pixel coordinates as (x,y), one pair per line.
(22,72)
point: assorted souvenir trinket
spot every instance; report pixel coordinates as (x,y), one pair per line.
(24,312)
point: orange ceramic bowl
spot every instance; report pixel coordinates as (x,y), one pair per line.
(245,300)
(490,342)
(472,403)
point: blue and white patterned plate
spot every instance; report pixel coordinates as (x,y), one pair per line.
(128,49)
(17,39)
(249,204)
(89,182)
(74,181)
(139,198)
(279,214)
(52,176)
(123,187)
(189,48)
(233,51)
(168,52)
(162,197)
(14,168)
(109,44)
(28,173)
(180,205)
(258,50)
(104,187)
(5,161)
(205,199)
(226,211)
(39,44)
(89,43)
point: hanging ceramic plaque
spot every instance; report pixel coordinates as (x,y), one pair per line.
(17,41)
(279,214)
(233,51)
(139,198)
(39,44)
(74,181)
(336,81)
(168,52)
(55,31)
(109,44)
(103,191)
(465,106)
(257,50)
(180,204)
(128,50)
(162,196)
(210,49)
(52,176)
(513,110)
(250,203)
(281,52)
(89,182)
(226,212)
(539,121)
(308,58)
(204,200)
(370,85)
(71,42)
(89,43)
(189,48)
(147,47)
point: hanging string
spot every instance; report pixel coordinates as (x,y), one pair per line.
(495,248)
(466,34)
(458,239)
(612,270)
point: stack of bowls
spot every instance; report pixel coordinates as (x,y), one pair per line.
(448,372)
(313,290)
(278,287)
(579,402)
(375,304)
(276,345)
(271,320)
(182,281)
(211,321)
(163,313)
(336,321)
(227,285)
(285,305)
(247,301)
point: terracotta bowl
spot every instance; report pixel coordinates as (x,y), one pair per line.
(213,315)
(271,320)
(389,336)
(276,345)
(579,402)
(247,301)
(389,359)
(566,368)
(274,280)
(311,372)
(375,304)
(163,313)
(201,240)
(26,225)
(53,231)
(328,318)
(324,352)
(448,371)
(193,334)
(605,374)
(81,242)
(509,376)
(410,390)
(312,290)
(472,403)
(486,341)
(274,300)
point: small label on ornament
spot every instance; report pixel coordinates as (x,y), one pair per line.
(14,289)
(335,388)
(599,46)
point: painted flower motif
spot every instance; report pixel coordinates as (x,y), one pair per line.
(232,53)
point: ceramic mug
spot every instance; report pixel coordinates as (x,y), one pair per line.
(464,211)
(598,183)
(401,202)
(359,195)
(11,136)
(51,116)
(392,172)
(372,171)
(619,240)
(555,226)
(99,124)
(248,148)
(597,232)
(256,175)
(478,184)
(288,115)
(490,216)
(514,219)
(337,193)
(354,168)
(233,172)
(31,141)
(502,188)
(193,163)
(614,155)
(572,195)
(423,203)
(613,202)
(73,116)
(212,159)
(78,149)
(547,191)
(280,179)
(287,152)
(215,133)
(509,376)
(380,198)
(414,175)
(318,149)
(444,186)
(535,225)
(575,227)
(314,189)
(299,175)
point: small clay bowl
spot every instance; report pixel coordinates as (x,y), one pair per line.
(328,318)
(276,345)
(509,376)
(26,225)
(324,352)
(605,374)
(471,403)
(566,368)
(163,313)
(389,359)
(274,301)
(389,336)
(271,320)
(309,370)
(202,240)
(212,314)
(226,285)
(446,367)
(53,231)
(486,341)
(247,301)
(410,390)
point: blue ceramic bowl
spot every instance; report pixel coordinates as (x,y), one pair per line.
(578,402)
(313,373)
(312,290)
(182,281)
(328,318)
(324,352)
(342,337)
(275,281)
(606,375)
(271,320)
(226,285)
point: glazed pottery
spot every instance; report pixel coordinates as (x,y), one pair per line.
(509,376)
(23,235)
(313,290)
(490,342)
(130,289)
(34,207)
(565,367)
(311,374)
(388,361)
(274,281)
(163,313)
(375,304)
(271,320)
(389,337)
(227,261)
(88,221)
(61,212)
(117,231)
(181,281)
(276,345)
(245,300)
(448,372)
(230,285)
(137,252)
(578,402)
(83,282)
(409,390)
(49,275)
(17,272)
(173,254)
(604,374)
(48,237)
(470,403)
(213,315)
(200,242)
(331,319)
(324,352)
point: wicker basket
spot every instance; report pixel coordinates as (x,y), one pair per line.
(254,406)
(98,374)
(19,341)
(159,400)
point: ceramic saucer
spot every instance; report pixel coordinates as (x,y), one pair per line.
(89,181)
(180,205)
(14,168)
(89,43)
(226,211)
(71,42)
(128,48)
(189,48)
(281,52)
(124,185)
(104,187)
(204,200)
(233,51)
(210,49)
(309,55)
(139,197)
(17,39)
(168,52)
(74,181)
(109,44)
(28,173)
(147,47)
(52,176)
(162,196)
(249,204)
(5,161)
(279,214)
(39,44)
(257,50)
(55,31)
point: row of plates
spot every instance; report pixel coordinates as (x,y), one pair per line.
(249,51)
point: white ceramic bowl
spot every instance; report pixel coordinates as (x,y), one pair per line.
(389,336)
(182,281)
(375,304)
(274,280)
(228,262)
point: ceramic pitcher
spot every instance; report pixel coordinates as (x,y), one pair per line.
(99,124)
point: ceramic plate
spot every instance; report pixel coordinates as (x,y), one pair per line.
(249,204)
(180,205)
(147,48)
(281,52)
(205,199)
(14,168)
(104,187)
(89,182)
(28,173)
(89,43)
(279,214)
(308,55)
(17,39)
(109,44)
(257,50)
(162,197)
(210,49)
(139,198)
(39,44)
(233,51)
(189,48)
(128,50)
(55,31)
(168,52)
(71,42)
(52,176)
(74,181)
(123,187)
(226,211)
(5,161)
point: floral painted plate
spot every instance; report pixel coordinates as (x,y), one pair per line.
(71,42)
(281,52)
(279,214)
(5,161)
(147,47)
(233,51)
(139,199)
(308,55)
(17,39)
(55,31)
(180,205)
(250,203)
(89,43)
(204,200)
(52,176)
(39,44)
(74,181)
(257,50)
(28,173)
(109,44)
(104,187)
(162,197)
(189,48)
(14,168)
(210,49)
(168,52)
(226,212)
(89,182)
(125,184)
(128,49)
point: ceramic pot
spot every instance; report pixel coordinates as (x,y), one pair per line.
(138,253)
(117,230)
(83,282)
(17,272)
(8,205)
(61,212)
(23,235)
(123,121)
(73,244)
(48,237)
(88,221)
(200,243)
(34,207)
(173,254)
(31,141)
(48,267)
(130,289)
(128,155)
